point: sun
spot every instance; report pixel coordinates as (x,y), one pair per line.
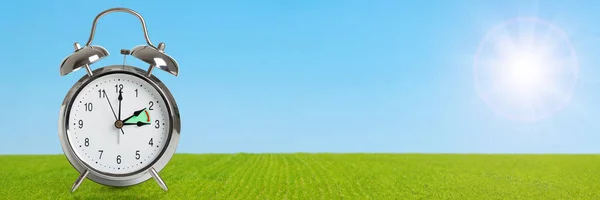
(525,69)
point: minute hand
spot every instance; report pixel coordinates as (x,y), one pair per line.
(120,100)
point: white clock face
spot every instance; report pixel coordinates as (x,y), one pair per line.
(95,117)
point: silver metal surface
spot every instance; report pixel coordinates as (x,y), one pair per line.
(87,66)
(125,52)
(158,180)
(156,58)
(127,10)
(82,57)
(150,70)
(115,179)
(79,180)
(161,48)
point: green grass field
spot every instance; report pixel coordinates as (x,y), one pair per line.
(322,176)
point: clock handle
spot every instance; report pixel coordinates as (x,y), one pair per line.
(127,10)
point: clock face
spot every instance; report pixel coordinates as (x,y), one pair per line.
(118,124)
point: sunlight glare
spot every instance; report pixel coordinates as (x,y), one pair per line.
(525,69)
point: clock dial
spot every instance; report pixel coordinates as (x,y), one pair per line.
(118,124)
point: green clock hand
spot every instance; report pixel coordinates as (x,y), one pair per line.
(135,114)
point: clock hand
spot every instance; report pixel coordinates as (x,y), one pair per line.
(111,108)
(137,123)
(135,114)
(120,99)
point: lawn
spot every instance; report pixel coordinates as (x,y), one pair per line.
(322,176)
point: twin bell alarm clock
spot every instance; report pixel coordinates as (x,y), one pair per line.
(119,125)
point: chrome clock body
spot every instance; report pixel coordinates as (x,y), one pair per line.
(83,57)
(132,178)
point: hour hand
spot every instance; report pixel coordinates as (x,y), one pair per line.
(136,123)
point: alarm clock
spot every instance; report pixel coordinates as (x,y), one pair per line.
(119,125)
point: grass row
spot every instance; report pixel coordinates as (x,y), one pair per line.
(323,176)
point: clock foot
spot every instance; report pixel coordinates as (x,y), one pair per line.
(79,180)
(158,180)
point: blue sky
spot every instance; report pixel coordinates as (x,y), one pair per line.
(303,76)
